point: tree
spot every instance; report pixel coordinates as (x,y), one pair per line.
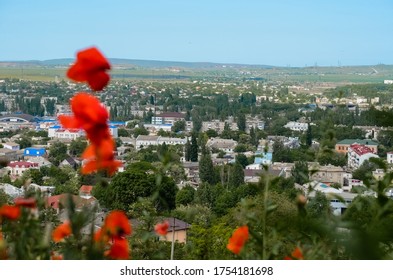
(24,142)
(237,175)
(179,126)
(319,206)
(194,149)
(300,172)
(364,171)
(242,160)
(241,122)
(122,132)
(77,147)
(187,151)
(57,153)
(185,196)
(206,173)
(309,136)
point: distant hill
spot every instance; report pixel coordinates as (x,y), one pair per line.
(138,63)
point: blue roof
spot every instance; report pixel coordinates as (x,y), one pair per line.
(263,158)
(55,126)
(117,123)
(112,126)
(37,152)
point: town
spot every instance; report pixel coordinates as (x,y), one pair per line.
(218,142)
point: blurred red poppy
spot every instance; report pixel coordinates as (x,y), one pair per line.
(238,239)
(90,67)
(61,232)
(162,228)
(10,212)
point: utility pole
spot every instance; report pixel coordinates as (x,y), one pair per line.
(173,238)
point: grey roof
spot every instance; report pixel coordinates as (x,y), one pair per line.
(11,190)
(26,117)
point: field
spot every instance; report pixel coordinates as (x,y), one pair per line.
(347,74)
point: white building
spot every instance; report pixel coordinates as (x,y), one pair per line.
(113,130)
(357,154)
(68,133)
(17,168)
(11,146)
(154,140)
(297,126)
(389,156)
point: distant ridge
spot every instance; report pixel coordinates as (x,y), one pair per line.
(138,63)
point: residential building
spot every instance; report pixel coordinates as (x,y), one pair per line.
(11,146)
(177,231)
(17,168)
(8,155)
(389,156)
(297,126)
(68,133)
(357,154)
(327,174)
(343,145)
(33,152)
(226,145)
(11,190)
(167,118)
(153,140)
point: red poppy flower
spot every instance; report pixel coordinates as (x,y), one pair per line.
(116,224)
(91,116)
(61,232)
(26,202)
(162,228)
(119,250)
(10,212)
(238,239)
(55,256)
(295,255)
(90,67)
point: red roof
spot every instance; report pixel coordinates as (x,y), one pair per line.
(71,130)
(23,164)
(56,200)
(86,189)
(361,149)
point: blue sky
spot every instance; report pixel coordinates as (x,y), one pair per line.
(276,32)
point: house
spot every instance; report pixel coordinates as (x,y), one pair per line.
(252,175)
(8,155)
(85,191)
(296,126)
(167,118)
(177,231)
(70,161)
(127,140)
(339,201)
(47,190)
(152,140)
(17,168)
(11,146)
(226,145)
(357,154)
(343,145)
(33,152)
(11,190)
(145,141)
(68,134)
(263,158)
(113,130)
(389,157)
(327,174)
(58,202)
